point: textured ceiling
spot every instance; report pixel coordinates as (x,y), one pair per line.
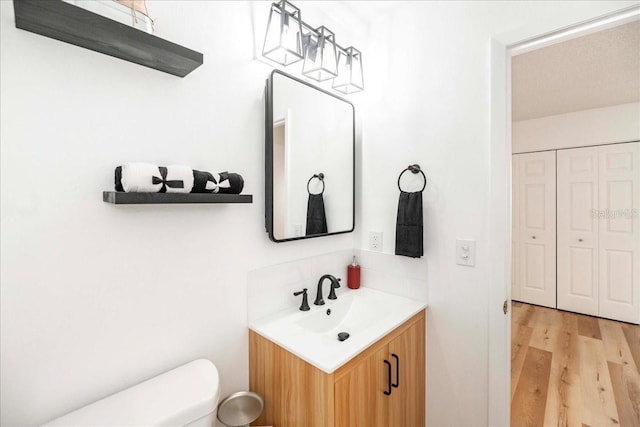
(593,71)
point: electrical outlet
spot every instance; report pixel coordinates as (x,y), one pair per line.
(375,241)
(466,252)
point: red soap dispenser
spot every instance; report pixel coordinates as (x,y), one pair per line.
(353,275)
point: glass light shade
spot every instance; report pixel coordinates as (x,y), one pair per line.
(349,79)
(283,40)
(320,55)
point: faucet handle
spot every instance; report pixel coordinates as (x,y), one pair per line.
(305,303)
(334,285)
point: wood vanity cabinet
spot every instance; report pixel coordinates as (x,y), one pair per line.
(383,386)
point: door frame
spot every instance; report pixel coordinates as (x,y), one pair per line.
(502,48)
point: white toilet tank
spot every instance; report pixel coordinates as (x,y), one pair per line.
(185,396)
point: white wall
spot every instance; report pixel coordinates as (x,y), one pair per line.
(428,101)
(618,123)
(270,289)
(97,297)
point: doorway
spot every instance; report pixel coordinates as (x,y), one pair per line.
(575,239)
(280,170)
(502,46)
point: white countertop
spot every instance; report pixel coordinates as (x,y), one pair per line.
(366,314)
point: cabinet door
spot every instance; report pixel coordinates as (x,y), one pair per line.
(578,230)
(537,252)
(359,394)
(407,357)
(619,231)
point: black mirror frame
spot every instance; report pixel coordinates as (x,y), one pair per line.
(268,182)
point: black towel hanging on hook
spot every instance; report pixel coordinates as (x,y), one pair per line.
(316,216)
(409,223)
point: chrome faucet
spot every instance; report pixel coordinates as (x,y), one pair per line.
(335,283)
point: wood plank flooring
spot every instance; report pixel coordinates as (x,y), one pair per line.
(568,369)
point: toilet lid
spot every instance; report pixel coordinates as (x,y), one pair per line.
(240,409)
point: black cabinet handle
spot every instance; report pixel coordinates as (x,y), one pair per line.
(388,391)
(395,356)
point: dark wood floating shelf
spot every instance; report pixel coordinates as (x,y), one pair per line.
(120,198)
(72,24)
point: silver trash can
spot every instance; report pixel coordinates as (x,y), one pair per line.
(240,409)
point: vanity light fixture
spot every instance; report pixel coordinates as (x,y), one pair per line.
(349,77)
(320,56)
(289,39)
(283,41)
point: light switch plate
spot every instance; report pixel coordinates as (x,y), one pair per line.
(466,252)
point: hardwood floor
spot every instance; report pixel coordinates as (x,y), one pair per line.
(568,369)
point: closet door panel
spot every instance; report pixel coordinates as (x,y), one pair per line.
(534,266)
(537,228)
(577,264)
(619,231)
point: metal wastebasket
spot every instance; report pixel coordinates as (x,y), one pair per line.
(240,409)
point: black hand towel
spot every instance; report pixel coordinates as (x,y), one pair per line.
(409,225)
(316,218)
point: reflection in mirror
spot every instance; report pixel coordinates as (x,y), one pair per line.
(309,160)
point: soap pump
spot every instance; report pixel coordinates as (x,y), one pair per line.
(353,275)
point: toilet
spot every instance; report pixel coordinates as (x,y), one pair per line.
(185,396)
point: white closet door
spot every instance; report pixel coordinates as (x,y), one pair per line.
(619,231)
(578,230)
(515,226)
(537,251)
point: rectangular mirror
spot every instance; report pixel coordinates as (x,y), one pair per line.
(310,160)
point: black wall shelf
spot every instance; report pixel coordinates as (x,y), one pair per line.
(121,198)
(72,24)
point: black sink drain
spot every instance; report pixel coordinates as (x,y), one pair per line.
(343,336)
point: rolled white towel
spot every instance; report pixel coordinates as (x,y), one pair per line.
(176,174)
(138,178)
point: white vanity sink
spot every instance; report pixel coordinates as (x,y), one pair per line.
(365,314)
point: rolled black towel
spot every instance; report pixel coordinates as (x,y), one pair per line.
(223,183)
(409,225)
(316,217)
(200,180)
(235,180)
